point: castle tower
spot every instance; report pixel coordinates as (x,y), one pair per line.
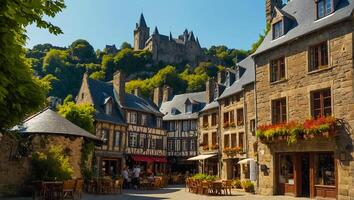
(270,4)
(141,34)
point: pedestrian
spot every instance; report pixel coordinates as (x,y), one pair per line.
(136,176)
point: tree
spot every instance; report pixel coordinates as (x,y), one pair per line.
(82,51)
(81,115)
(261,37)
(20,92)
(125,45)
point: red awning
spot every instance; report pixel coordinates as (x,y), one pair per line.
(142,158)
(160,159)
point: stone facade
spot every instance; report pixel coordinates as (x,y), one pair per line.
(15,171)
(297,87)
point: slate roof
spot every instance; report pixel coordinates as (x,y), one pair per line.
(100,91)
(142,22)
(210,106)
(178,102)
(303,12)
(247,77)
(49,122)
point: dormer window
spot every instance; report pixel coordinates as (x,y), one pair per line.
(189,108)
(324,8)
(108,108)
(278,29)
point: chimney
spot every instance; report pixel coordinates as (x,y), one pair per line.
(221,76)
(167,93)
(119,86)
(270,4)
(157,98)
(137,92)
(209,90)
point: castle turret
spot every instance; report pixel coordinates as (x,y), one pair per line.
(141,33)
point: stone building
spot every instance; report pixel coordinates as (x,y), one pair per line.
(304,69)
(39,132)
(130,126)
(166,49)
(181,121)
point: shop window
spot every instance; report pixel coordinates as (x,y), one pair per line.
(213,138)
(214,119)
(233,140)
(325,170)
(240,120)
(286,173)
(318,56)
(226,141)
(324,8)
(321,103)
(277,70)
(279,114)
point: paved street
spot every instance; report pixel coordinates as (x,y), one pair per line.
(178,192)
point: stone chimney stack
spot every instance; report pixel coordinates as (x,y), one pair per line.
(270,4)
(119,86)
(167,93)
(221,76)
(209,90)
(157,98)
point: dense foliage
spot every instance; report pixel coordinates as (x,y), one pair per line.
(51,165)
(204,177)
(20,92)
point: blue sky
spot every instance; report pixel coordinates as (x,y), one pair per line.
(235,23)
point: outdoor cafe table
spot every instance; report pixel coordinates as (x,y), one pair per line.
(216,187)
(49,189)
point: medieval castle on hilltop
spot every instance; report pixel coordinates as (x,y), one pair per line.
(166,49)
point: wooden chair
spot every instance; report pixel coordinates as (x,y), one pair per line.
(205,188)
(69,188)
(79,187)
(217,188)
(106,186)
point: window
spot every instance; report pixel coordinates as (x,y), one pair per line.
(205,139)
(232,116)
(185,125)
(278,29)
(233,140)
(240,117)
(159,122)
(132,141)
(325,170)
(170,145)
(142,141)
(193,125)
(108,108)
(133,117)
(159,144)
(226,117)
(277,69)
(226,141)
(279,111)
(227,102)
(185,145)
(144,119)
(105,136)
(189,108)
(117,139)
(253,126)
(321,103)
(286,166)
(324,8)
(178,145)
(213,138)
(153,143)
(213,119)
(171,125)
(205,121)
(192,143)
(318,56)
(240,139)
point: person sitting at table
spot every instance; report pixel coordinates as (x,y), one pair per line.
(151,177)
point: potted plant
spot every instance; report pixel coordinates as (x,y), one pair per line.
(248,186)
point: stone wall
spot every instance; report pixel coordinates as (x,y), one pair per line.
(14,172)
(297,87)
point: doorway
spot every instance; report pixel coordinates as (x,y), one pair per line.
(305,174)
